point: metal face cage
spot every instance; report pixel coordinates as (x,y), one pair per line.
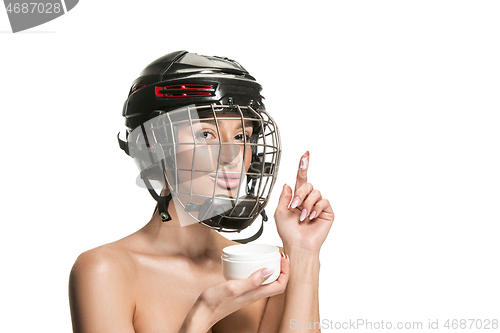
(220,162)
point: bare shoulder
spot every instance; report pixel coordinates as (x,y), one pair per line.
(107,259)
(102,271)
(100,282)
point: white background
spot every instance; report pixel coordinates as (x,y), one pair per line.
(397,102)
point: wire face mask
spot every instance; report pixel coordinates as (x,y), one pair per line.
(219,161)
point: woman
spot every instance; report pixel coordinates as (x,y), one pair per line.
(199,131)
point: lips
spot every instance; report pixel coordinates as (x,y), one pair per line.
(227,181)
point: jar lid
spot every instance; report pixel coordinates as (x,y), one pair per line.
(249,252)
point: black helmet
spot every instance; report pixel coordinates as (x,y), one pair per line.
(182,89)
(181,78)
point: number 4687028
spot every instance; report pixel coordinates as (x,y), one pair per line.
(34,7)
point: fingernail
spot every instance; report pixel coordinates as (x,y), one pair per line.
(303,215)
(295,202)
(287,258)
(313,215)
(304,162)
(267,273)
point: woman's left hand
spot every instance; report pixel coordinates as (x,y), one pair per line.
(305,222)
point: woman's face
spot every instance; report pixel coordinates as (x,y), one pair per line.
(199,148)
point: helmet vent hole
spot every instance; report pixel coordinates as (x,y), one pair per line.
(185,90)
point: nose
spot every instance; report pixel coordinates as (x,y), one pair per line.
(230,154)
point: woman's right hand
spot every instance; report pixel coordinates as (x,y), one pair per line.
(224,298)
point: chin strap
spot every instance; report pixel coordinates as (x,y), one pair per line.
(163,207)
(163,201)
(257,234)
(123,144)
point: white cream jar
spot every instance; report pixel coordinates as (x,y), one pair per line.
(240,261)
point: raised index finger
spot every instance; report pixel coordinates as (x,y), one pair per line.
(302,172)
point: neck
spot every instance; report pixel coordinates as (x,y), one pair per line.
(182,236)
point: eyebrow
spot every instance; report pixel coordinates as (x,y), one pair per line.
(211,121)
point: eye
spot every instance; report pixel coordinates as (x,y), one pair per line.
(241,137)
(205,135)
